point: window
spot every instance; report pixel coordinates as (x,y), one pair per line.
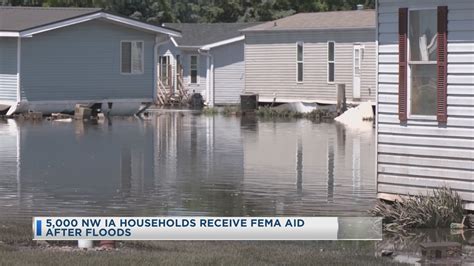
(422,61)
(164,75)
(194,69)
(132,56)
(299,61)
(331,69)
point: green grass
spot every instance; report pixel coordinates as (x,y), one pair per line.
(204,253)
(315,115)
(17,248)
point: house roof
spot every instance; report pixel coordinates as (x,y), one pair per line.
(353,19)
(200,34)
(27,19)
(23,18)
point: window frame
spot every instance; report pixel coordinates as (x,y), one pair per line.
(131,58)
(300,62)
(409,65)
(329,62)
(197,69)
(160,61)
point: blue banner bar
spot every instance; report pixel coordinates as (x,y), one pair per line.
(38,227)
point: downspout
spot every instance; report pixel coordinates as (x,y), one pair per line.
(209,76)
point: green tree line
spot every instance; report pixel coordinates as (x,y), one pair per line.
(160,11)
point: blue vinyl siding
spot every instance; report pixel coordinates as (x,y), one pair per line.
(82,62)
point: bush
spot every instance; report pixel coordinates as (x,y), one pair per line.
(231,110)
(267,111)
(210,111)
(438,210)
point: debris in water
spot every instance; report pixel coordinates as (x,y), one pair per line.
(386,253)
(357,117)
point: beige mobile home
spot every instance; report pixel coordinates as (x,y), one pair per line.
(302,57)
(425,121)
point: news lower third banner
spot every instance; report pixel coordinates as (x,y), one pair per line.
(207,228)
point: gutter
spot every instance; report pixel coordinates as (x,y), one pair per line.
(310,29)
(209,76)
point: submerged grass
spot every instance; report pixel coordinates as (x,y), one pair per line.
(315,115)
(438,210)
(210,111)
(270,112)
(231,110)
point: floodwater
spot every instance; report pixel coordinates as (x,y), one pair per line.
(181,163)
(407,248)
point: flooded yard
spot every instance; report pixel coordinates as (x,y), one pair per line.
(184,163)
(181,163)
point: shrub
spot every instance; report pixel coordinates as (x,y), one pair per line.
(231,110)
(438,210)
(210,111)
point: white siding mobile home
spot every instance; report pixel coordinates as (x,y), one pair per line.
(303,57)
(425,120)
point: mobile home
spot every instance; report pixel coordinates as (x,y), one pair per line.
(303,57)
(54,58)
(208,59)
(425,120)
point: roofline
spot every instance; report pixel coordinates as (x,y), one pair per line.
(87,17)
(9,34)
(310,29)
(223,42)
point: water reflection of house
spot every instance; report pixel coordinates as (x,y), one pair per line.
(309,165)
(200,158)
(425,98)
(66,164)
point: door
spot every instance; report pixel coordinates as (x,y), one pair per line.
(164,70)
(356,72)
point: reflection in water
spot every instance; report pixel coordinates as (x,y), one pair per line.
(299,166)
(407,247)
(185,164)
(330,170)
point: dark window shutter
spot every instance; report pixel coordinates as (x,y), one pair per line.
(441,110)
(402,63)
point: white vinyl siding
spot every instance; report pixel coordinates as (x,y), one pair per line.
(132,57)
(8,69)
(420,155)
(270,67)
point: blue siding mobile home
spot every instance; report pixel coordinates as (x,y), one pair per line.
(54,58)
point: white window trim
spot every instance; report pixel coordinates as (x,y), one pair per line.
(333,61)
(131,68)
(198,80)
(409,63)
(298,62)
(169,56)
